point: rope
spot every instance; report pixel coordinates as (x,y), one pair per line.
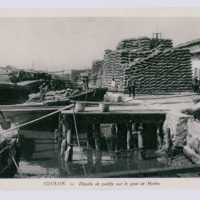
(35,120)
(78,142)
(17,166)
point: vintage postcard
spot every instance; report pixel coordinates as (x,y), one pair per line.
(99,99)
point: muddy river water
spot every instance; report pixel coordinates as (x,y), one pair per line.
(40,158)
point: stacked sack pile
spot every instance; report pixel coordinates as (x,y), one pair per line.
(162,72)
(96,66)
(107,72)
(153,63)
(165,43)
(116,61)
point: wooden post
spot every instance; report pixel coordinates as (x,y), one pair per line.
(90,138)
(168,141)
(69,151)
(63,146)
(60,127)
(129,135)
(117,145)
(119,138)
(98,160)
(90,165)
(56,135)
(140,141)
(97,136)
(158,133)
(135,135)
(64,139)
(67,141)
(113,137)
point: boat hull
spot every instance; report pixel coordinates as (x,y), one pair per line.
(8,154)
(15,94)
(94,95)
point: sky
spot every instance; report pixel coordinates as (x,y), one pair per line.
(55,44)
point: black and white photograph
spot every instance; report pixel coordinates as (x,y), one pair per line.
(99,97)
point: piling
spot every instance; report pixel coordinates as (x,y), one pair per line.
(129,135)
(90,138)
(168,140)
(67,141)
(118,138)
(97,136)
(158,134)
(69,151)
(113,137)
(140,141)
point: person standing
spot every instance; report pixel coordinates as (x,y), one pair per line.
(195,84)
(129,86)
(43,89)
(86,84)
(133,86)
(113,84)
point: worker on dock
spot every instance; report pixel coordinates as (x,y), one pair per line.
(195,84)
(131,85)
(86,83)
(43,90)
(52,85)
(68,92)
(113,85)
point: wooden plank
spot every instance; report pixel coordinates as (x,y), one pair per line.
(153,172)
(135,111)
(118,116)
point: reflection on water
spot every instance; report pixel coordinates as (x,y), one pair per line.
(40,157)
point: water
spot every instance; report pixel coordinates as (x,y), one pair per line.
(40,158)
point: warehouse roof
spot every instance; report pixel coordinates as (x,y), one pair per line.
(189,43)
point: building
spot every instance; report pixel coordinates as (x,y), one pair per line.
(194,47)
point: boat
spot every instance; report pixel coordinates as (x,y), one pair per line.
(11,93)
(96,94)
(9,151)
(17,84)
(23,113)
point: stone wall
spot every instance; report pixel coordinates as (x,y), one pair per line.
(184,133)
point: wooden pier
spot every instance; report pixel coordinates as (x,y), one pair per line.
(126,122)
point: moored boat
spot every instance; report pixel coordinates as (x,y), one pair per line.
(9,153)
(23,113)
(17,93)
(96,94)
